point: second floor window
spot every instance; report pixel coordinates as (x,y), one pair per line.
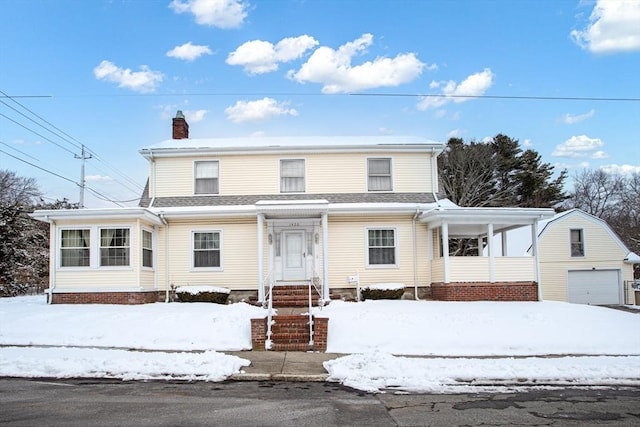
(114,247)
(577,243)
(292,176)
(206,177)
(379,175)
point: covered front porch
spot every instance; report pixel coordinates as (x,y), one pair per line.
(487,274)
(292,248)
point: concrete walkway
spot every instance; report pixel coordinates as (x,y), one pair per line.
(283,365)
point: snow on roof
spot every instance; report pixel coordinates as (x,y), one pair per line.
(247,143)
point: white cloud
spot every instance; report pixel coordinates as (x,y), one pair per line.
(143,81)
(599,155)
(527,143)
(334,70)
(259,56)
(571,119)
(216,13)
(257,134)
(474,85)
(99,178)
(579,146)
(621,169)
(455,133)
(194,116)
(614,26)
(189,51)
(385,131)
(257,111)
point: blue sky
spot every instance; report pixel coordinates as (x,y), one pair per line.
(113,73)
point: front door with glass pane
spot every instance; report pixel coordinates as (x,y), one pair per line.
(293,261)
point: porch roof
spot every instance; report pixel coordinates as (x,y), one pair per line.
(292,209)
(473,222)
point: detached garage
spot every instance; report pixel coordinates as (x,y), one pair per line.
(581,259)
(594,287)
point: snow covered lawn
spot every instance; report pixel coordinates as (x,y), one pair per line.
(183,341)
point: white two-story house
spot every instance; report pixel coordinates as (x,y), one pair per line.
(243,213)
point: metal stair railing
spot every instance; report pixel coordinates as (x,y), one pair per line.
(311,332)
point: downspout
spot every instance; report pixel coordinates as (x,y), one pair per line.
(434,176)
(166,257)
(152,183)
(534,242)
(415,255)
(52,257)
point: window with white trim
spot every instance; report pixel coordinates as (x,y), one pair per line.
(292,175)
(381,247)
(206,249)
(206,177)
(379,174)
(114,247)
(74,248)
(147,249)
(577,243)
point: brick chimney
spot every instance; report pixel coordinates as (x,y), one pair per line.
(180,126)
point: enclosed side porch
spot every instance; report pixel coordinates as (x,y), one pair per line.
(466,263)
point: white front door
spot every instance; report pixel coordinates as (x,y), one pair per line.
(294,255)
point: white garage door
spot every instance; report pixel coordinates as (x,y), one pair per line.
(594,287)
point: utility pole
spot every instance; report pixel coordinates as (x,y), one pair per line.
(82,157)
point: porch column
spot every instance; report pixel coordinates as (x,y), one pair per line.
(492,267)
(260,225)
(505,242)
(445,250)
(534,250)
(325,257)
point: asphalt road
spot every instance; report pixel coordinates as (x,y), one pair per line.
(41,402)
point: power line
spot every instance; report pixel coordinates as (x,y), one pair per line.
(68,139)
(536,98)
(38,167)
(36,133)
(372,94)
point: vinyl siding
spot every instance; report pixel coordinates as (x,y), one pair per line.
(325,173)
(238,252)
(348,252)
(601,252)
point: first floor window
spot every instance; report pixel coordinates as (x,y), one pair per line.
(206,249)
(114,247)
(382,247)
(74,248)
(147,249)
(577,243)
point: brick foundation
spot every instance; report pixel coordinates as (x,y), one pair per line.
(124,298)
(485,291)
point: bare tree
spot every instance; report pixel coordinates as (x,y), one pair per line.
(596,192)
(17,190)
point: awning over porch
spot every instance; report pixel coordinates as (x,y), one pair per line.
(292,208)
